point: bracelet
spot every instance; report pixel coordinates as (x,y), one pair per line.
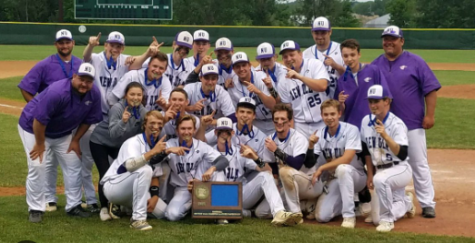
(260,163)
(154,190)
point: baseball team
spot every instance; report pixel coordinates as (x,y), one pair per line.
(320,136)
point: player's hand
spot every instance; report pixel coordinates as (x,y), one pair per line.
(316,176)
(190,185)
(129,60)
(291,73)
(94,40)
(74,146)
(380,128)
(251,88)
(37,152)
(369,182)
(208,119)
(342,96)
(270,145)
(248,152)
(312,140)
(329,61)
(180,151)
(126,115)
(228,84)
(160,146)
(428,122)
(208,174)
(162,102)
(151,204)
(198,105)
(170,114)
(154,47)
(268,80)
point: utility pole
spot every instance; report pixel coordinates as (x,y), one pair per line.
(26,10)
(61,11)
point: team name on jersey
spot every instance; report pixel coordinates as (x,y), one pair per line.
(232,174)
(150,100)
(182,167)
(335,153)
(298,91)
(107,82)
(376,142)
(207,110)
(175,80)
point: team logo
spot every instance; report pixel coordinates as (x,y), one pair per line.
(286,44)
(321,23)
(87,69)
(117,37)
(222,43)
(88,102)
(372,91)
(186,39)
(210,68)
(201,192)
(257,140)
(238,56)
(64,33)
(367,79)
(403,67)
(201,34)
(264,50)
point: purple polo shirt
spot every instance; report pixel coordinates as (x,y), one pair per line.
(356,105)
(61,109)
(48,71)
(410,80)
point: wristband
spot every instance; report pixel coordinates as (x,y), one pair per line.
(154,190)
(273,92)
(259,162)
(281,155)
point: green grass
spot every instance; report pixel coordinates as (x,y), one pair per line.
(447,78)
(26,52)
(57,227)
(10,90)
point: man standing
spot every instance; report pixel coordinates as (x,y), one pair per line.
(46,123)
(326,51)
(268,63)
(201,46)
(412,84)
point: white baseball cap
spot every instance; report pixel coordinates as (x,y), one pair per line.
(239,57)
(209,68)
(247,102)
(64,34)
(224,123)
(289,45)
(86,69)
(184,38)
(378,92)
(392,30)
(223,44)
(265,50)
(201,35)
(116,37)
(321,23)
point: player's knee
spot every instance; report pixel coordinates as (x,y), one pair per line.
(173,214)
(263,213)
(286,175)
(146,171)
(342,170)
(323,216)
(379,181)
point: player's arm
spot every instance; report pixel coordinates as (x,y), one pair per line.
(339,68)
(93,42)
(369,164)
(134,163)
(27,96)
(39,130)
(319,85)
(431,101)
(193,77)
(344,159)
(82,129)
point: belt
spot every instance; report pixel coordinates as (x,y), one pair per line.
(388,165)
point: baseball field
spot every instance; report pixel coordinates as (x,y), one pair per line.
(451,155)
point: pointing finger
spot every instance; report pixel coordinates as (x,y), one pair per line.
(162,139)
(202,100)
(213,113)
(159,45)
(98,36)
(154,39)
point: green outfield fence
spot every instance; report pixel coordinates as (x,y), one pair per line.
(243,36)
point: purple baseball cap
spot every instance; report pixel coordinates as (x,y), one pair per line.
(289,45)
(184,38)
(392,31)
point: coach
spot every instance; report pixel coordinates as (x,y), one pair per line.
(412,84)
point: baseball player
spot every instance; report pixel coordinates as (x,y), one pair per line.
(288,148)
(249,83)
(46,123)
(132,179)
(156,85)
(385,147)
(262,184)
(326,51)
(267,59)
(206,97)
(413,84)
(200,47)
(303,87)
(56,67)
(224,51)
(189,160)
(343,172)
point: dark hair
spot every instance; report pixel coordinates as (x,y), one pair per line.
(160,56)
(350,43)
(185,118)
(179,90)
(331,103)
(133,84)
(283,107)
(246,106)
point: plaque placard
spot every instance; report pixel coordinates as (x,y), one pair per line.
(217,200)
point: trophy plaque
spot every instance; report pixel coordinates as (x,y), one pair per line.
(217,200)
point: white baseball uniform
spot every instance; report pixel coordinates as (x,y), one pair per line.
(169,128)
(131,189)
(348,178)
(152,89)
(275,74)
(176,74)
(263,114)
(297,182)
(185,168)
(389,183)
(305,102)
(224,73)
(334,52)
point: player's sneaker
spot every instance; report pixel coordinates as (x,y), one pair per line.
(35,216)
(369,219)
(428,212)
(140,225)
(349,223)
(104,214)
(114,211)
(84,204)
(283,218)
(222,221)
(93,208)
(385,226)
(412,212)
(246,213)
(51,207)
(78,211)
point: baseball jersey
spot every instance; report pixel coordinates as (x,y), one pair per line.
(347,137)
(169,128)
(305,102)
(377,146)
(61,109)
(224,73)
(47,71)
(221,102)
(152,89)
(240,90)
(334,52)
(193,164)
(176,74)
(238,165)
(107,78)
(193,61)
(294,145)
(356,86)
(275,73)
(132,148)
(410,79)
(254,139)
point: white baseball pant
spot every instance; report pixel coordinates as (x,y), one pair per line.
(298,186)
(35,181)
(51,174)
(262,184)
(87,162)
(417,153)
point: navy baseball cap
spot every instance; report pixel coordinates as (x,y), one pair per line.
(289,45)
(392,30)
(378,92)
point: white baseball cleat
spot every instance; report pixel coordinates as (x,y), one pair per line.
(283,218)
(385,226)
(412,212)
(140,225)
(349,223)
(51,207)
(104,214)
(369,219)
(246,213)
(222,221)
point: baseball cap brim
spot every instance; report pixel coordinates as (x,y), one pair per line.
(265,56)
(239,61)
(85,74)
(224,128)
(184,44)
(223,48)
(320,28)
(394,35)
(208,73)
(289,49)
(201,39)
(246,105)
(375,97)
(64,37)
(115,41)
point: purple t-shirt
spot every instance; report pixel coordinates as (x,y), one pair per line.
(410,80)
(356,105)
(61,109)
(48,71)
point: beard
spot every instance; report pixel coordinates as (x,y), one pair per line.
(64,54)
